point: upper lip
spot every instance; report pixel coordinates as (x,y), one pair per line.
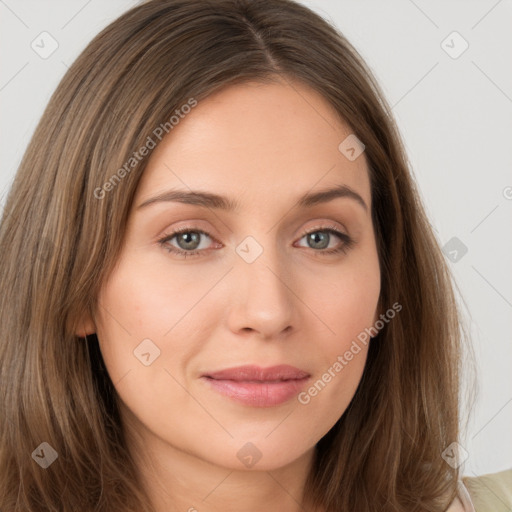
(256,373)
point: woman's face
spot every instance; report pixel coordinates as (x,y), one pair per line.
(254,288)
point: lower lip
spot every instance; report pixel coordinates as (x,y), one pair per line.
(258,394)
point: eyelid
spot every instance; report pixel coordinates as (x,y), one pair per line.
(185,229)
(323,227)
(346,240)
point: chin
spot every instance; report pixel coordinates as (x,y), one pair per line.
(256,454)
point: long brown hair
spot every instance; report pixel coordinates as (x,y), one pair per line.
(62,230)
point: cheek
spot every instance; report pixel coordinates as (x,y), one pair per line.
(332,389)
(348,310)
(340,358)
(144,326)
(348,303)
(140,300)
(145,309)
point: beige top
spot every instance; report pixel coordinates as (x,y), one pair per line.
(486,493)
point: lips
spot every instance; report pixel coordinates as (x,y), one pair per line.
(257,374)
(258,387)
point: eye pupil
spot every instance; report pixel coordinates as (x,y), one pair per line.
(188,241)
(319,236)
(190,237)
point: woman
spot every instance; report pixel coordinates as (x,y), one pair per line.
(219,286)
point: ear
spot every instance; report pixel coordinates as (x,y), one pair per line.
(376,316)
(86,326)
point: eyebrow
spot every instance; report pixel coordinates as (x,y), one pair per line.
(215,201)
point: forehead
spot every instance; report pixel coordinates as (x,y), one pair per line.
(253,140)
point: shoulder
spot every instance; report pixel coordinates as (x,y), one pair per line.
(456,506)
(491,492)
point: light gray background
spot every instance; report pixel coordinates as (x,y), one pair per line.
(454,114)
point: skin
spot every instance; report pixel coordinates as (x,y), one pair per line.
(263,145)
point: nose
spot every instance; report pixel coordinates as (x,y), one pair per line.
(263,298)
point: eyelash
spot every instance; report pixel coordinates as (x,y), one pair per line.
(347,241)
